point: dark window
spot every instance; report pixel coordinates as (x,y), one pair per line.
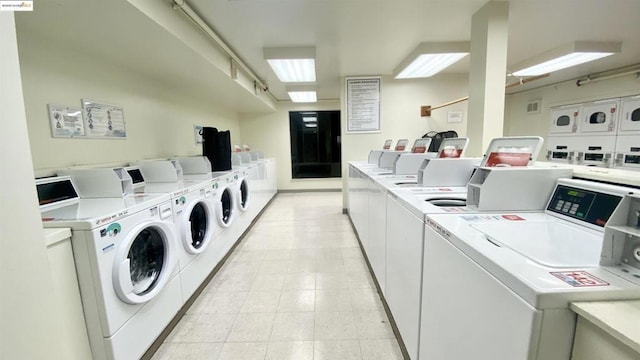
(146,259)
(635,115)
(315,144)
(597,118)
(563,120)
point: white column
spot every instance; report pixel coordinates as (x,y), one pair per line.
(487,75)
(27,320)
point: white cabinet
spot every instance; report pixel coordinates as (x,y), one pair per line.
(73,340)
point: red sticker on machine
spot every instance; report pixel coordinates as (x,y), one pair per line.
(513,217)
(419,149)
(579,278)
(508,159)
(450,153)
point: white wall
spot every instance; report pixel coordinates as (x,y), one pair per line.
(518,122)
(270,133)
(27,322)
(401,101)
(159,119)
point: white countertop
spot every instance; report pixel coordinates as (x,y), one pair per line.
(53,236)
(620,319)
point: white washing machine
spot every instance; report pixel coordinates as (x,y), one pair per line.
(199,168)
(125,254)
(194,213)
(406,216)
(502,283)
(225,185)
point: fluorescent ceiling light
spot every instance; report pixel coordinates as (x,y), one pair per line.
(310,119)
(575,53)
(429,59)
(292,64)
(303,96)
(311,125)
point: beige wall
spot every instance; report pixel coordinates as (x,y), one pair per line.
(28,324)
(270,133)
(159,119)
(518,122)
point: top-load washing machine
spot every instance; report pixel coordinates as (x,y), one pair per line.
(194,213)
(407,210)
(124,249)
(502,282)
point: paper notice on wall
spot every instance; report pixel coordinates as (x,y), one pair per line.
(66,121)
(363,105)
(104,120)
(454,117)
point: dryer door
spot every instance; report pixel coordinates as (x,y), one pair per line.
(630,116)
(600,117)
(225,207)
(564,120)
(197,226)
(144,262)
(243,194)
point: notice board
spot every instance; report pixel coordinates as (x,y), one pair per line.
(363,105)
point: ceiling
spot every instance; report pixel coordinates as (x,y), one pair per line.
(371,37)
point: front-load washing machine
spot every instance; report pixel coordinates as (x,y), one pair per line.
(225,185)
(502,283)
(126,263)
(194,214)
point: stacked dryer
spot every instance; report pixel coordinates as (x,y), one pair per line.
(628,139)
(586,134)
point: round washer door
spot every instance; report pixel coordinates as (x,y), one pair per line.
(225,207)
(243,194)
(197,226)
(144,262)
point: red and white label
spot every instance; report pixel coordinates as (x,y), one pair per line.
(450,153)
(508,159)
(419,149)
(400,148)
(579,278)
(513,217)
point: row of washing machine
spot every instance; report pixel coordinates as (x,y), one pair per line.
(603,133)
(490,252)
(147,236)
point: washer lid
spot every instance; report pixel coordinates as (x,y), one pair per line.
(553,244)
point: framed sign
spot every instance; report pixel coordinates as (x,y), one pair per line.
(363,105)
(103,120)
(66,121)
(197,131)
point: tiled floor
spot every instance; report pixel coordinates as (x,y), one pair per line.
(297,287)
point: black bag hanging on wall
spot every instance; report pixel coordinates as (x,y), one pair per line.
(437,137)
(216,146)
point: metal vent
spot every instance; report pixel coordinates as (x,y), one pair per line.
(533,107)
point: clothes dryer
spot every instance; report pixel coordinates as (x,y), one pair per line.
(503,282)
(126,263)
